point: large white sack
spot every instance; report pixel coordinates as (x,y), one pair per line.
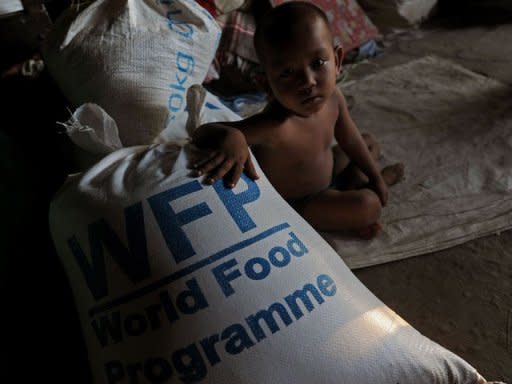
(177,282)
(134,58)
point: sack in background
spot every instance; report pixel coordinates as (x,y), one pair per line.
(135,59)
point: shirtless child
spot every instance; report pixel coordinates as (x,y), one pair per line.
(333,189)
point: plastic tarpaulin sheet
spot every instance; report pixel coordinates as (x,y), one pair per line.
(452,128)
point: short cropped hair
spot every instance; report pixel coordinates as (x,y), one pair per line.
(276,27)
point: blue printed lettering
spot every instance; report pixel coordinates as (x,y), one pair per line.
(153,313)
(224,279)
(108,327)
(135,324)
(238,339)
(188,60)
(285,257)
(157,370)
(132,260)
(116,327)
(168,306)
(183,29)
(234,202)
(170,222)
(192,299)
(179,84)
(257,273)
(208,344)
(295,246)
(175,103)
(326,285)
(268,318)
(185,64)
(302,294)
(189,361)
(258,268)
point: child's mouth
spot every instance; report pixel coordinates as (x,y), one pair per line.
(312,100)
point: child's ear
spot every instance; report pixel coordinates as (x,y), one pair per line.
(338,57)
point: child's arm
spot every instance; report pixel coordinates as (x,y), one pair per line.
(350,140)
(228,153)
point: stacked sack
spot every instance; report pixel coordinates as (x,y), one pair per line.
(134,58)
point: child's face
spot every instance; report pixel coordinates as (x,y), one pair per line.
(302,74)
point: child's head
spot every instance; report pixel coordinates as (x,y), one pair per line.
(294,44)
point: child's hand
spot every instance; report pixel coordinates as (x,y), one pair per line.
(379,186)
(228,161)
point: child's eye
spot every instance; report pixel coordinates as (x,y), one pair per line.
(317,63)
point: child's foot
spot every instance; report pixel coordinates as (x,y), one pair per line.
(370,232)
(392,174)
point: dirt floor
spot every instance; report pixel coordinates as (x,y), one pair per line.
(460,297)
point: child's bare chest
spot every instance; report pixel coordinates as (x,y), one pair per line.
(300,154)
(307,136)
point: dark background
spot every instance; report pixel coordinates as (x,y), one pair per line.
(43,330)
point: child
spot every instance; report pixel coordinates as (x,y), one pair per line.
(292,137)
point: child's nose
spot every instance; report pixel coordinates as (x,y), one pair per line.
(307,79)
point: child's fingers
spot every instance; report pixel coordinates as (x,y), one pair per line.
(196,160)
(250,170)
(200,159)
(210,164)
(236,172)
(220,171)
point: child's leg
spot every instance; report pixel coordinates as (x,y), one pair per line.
(349,176)
(373,145)
(357,210)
